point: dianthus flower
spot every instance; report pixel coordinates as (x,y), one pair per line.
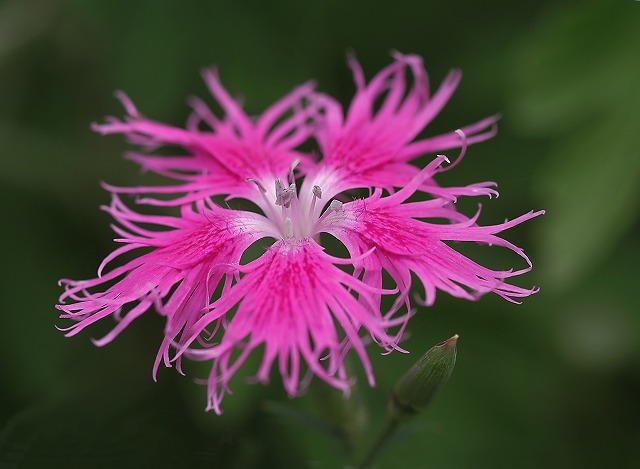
(305,307)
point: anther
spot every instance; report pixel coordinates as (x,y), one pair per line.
(279,191)
(288,194)
(284,195)
(335,205)
(317,191)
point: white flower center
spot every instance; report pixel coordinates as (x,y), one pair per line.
(295,217)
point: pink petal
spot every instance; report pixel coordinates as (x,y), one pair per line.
(372,146)
(186,263)
(290,300)
(222,157)
(404,244)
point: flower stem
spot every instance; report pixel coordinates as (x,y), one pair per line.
(372,454)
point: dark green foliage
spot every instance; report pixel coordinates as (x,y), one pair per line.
(552,383)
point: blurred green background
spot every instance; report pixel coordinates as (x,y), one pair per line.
(554,382)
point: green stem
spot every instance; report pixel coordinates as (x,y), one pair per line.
(371,456)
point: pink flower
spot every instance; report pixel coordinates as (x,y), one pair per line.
(294,300)
(221,157)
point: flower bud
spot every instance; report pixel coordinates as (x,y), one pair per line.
(417,388)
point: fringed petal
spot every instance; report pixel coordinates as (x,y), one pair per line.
(186,263)
(372,145)
(218,160)
(294,302)
(404,242)
(290,300)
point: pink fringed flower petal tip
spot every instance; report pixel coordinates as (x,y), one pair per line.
(304,308)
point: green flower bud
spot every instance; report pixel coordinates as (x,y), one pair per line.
(417,388)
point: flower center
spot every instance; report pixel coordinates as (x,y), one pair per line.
(293,216)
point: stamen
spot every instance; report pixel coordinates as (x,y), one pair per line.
(287,195)
(291,222)
(269,209)
(279,191)
(317,194)
(335,205)
(288,228)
